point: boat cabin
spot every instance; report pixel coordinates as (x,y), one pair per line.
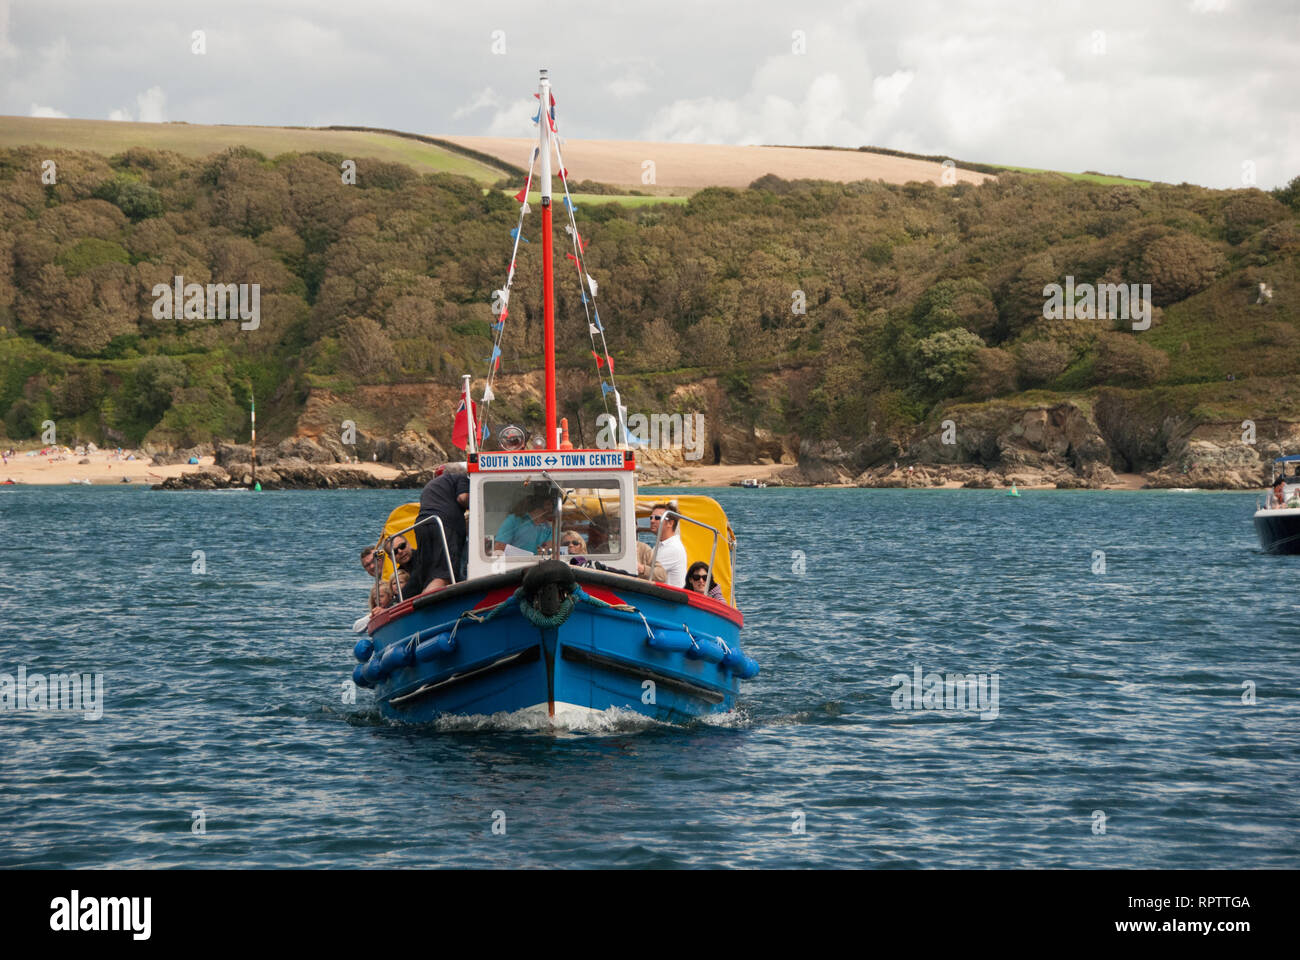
(551,503)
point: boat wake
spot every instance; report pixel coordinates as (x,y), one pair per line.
(615,720)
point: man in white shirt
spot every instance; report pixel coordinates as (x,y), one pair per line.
(672,555)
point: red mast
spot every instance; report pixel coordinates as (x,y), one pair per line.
(548,279)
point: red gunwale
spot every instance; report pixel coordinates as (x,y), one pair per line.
(493,597)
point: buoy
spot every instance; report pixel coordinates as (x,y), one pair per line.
(564,434)
(257,486)
(1013,492)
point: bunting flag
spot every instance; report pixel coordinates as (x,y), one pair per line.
(591,328)
(514,234)
(572,257)
(600,361)
(569,203)
(504,313)
(486,433)
(537,116)
(522,195)
(527,208)
(605,388)
(610,361)
(488,395)
(592,283)
(498,326)
(595,317)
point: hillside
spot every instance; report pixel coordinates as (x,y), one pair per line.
(694,166)
(922,304)
(200,140)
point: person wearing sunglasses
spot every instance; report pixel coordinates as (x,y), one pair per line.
(672,554)
(698,579)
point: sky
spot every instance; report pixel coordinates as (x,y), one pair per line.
(1203,91)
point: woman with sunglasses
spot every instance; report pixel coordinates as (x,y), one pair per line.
(698,579)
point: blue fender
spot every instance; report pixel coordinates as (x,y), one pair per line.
(364,648)
(707,649)
(674,641)
(436,646)
(359,677)
(400,654)
(743,666)
(374,670)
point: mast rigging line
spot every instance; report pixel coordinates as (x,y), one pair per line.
(586,285)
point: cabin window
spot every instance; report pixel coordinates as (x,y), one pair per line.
(518,519)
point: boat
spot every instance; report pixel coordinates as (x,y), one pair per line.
(1278,527)
(752,483)
(551,636)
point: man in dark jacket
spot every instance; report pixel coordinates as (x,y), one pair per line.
(446,497)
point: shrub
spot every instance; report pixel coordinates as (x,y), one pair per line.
(944,358)
(1179,265)
(1042,361)
(365,349)
(992,373)
(1122,359)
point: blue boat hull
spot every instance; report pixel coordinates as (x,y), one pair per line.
(666,658)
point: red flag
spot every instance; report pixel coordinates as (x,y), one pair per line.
(460,427)
(611,362)
(522,195)
(600,361)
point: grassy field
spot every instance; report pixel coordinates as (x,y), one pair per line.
(626,200)
(198,140)
(1084,177)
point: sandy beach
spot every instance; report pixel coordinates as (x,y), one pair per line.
(31,468)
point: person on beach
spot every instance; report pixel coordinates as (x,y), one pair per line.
(699,580)
(672,554)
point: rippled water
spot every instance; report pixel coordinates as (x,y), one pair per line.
(1119,692)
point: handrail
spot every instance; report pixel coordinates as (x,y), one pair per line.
(445,552)
(713,554)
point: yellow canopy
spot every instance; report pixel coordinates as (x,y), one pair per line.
(399,519)
(697,540)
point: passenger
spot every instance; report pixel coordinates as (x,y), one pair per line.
(413,562)
(446,497)
(1278,494)
(368,561)
(572,542)
(528,526)
(381,597)
(644,554)
(672,554)
(699,580)
(400,580)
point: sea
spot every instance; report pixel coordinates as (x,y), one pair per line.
(1131,663)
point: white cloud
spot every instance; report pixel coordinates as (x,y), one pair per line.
(48,112)
(1183,91)
(150,105)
